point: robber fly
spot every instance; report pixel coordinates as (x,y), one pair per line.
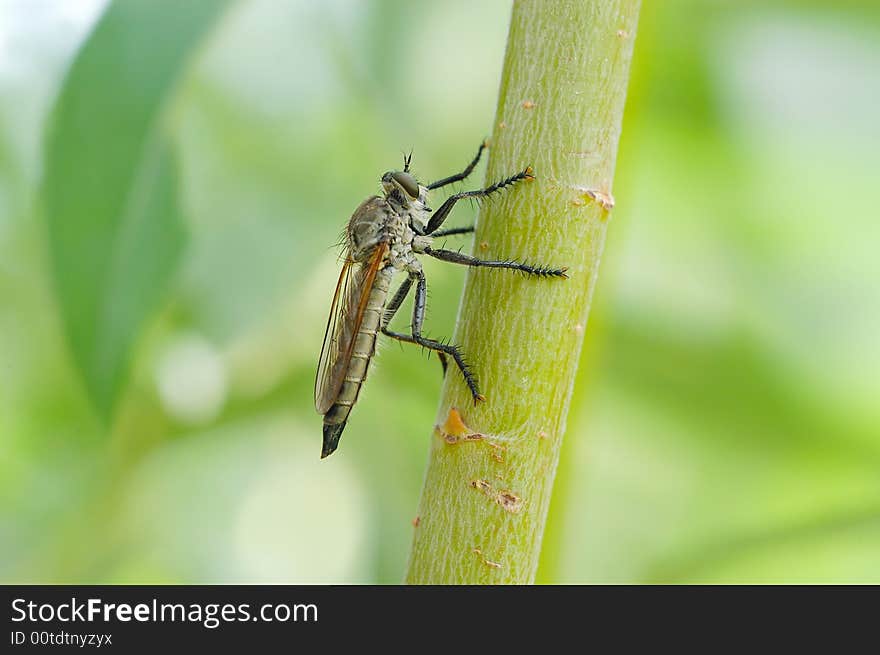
(386,234)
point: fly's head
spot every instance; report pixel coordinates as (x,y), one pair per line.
(406,195)
(402,187)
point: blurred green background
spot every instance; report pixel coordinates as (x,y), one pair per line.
(168,206)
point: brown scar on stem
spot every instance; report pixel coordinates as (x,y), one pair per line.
(505,498)
(455,431)
(487,562)
(578,327)
(601,196)
(509,501)
(416,522)
(622,34)
(502,125)
(542,435)
(483,486)
(484,245)
(604,198)
(497,451)
(528,104)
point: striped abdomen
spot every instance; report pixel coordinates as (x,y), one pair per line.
(362,352)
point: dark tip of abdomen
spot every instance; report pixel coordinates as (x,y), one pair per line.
(332,432)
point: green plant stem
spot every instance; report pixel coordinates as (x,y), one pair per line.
(485,499)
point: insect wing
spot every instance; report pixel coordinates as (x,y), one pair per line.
(330,347)
(346,314)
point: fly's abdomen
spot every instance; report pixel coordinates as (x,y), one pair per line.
(362,352)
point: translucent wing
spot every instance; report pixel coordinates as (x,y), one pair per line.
(346,314)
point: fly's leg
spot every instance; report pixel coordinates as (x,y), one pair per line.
(392,307)
(441,214)
(466,260)
(460,176)
(443,349)
(396,301)
(452,231)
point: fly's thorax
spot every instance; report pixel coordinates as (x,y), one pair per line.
(400,237)
(368,226)
(418,211)
(420,243)
(401,256)
(398,218)
(403,249)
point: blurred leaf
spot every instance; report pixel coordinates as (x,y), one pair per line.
(115,227)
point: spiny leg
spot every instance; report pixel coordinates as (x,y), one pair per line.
(460,176)
(466,260)
(392,307)
(418,321)
(416,337)
(452,231)
(441,214)
(443,350)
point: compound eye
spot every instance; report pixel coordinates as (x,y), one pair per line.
(408,182)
